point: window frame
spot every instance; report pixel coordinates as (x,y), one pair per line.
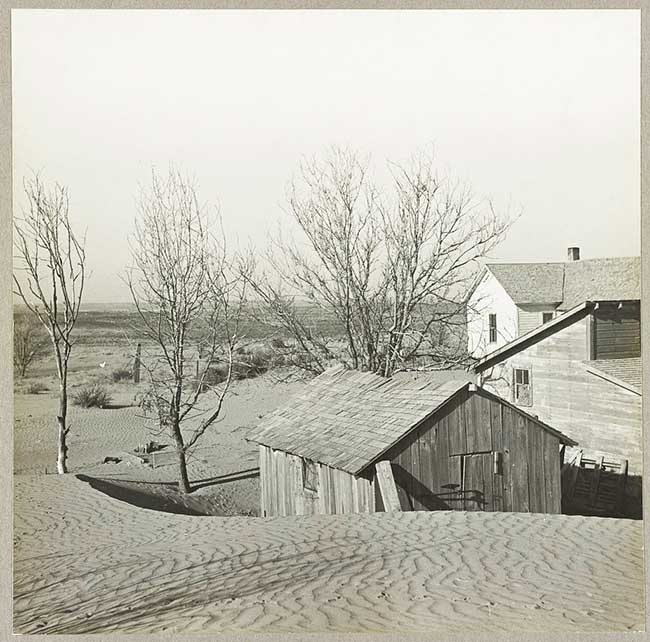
(309,475)
(518,386)
(550,315)
(492,328)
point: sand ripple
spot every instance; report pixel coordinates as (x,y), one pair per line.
(87,563)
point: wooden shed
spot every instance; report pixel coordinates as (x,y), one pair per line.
(451,446)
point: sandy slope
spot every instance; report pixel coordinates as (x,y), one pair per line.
(97,433)
(85,562)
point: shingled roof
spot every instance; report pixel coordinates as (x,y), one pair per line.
(531,282)
(622,371)
(613,279)
(346,419)
(570,283)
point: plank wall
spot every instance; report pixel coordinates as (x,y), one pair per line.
(602,417)
(283,492)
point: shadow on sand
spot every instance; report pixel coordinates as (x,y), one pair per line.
(166,496)
(158,496)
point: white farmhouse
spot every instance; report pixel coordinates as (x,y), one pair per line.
(508,300)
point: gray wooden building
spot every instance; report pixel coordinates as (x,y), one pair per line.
(450,444)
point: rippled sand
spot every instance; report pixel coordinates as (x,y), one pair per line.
(88,563)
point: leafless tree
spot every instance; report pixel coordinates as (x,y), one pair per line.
(391,270)
(185,291)
(51,271)
(30,342)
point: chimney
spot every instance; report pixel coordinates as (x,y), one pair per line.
(573,254)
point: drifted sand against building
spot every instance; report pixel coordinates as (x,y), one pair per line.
(86,563)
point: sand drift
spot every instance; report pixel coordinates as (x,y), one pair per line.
(87,563)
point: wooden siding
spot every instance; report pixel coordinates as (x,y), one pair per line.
(448,463)
(530,317)
(601,416)
(283,492)
(617,331)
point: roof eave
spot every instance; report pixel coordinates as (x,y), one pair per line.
(524,340)
(613,379)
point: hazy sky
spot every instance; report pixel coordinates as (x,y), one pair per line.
(536,108)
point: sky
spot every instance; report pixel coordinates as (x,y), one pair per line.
(537,110)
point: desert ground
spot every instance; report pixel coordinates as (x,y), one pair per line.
(115,548)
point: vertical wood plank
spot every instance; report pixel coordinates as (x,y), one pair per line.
(536,483)
(402,461)
(379,504)
(496,430)
(486,423)
(519,463)
(552,474)
(323,489)
(414,470)
(488,482)
(263,480)
(510,444)
(275,489)
(283,482)
(426,457)
(470,415)
(332,487)
(456,426)
(387,486)
(296,489)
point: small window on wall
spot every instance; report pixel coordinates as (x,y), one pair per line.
(547,316)
(309,475)
(522,387)
(493,328)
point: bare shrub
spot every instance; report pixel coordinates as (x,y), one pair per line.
(121,374)
(92,396)
(30,342)
(36,388)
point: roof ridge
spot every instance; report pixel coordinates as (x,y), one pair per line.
(592,258)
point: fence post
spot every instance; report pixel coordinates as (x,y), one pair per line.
(136,364)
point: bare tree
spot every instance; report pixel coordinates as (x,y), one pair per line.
(391,271)
(51,262)
(30,342)
(185,292)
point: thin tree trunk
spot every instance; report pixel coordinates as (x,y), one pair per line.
(62,456)
(183,479)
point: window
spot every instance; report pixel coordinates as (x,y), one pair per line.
(493,328)
(522,387)
(309,475)
(546,317)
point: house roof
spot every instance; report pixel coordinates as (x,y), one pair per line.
(601,279)
(347,419)
(572,282)
(530,282)
(623,372)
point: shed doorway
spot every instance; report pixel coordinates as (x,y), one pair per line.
(478,479)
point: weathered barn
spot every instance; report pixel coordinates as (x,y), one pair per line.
(450,445)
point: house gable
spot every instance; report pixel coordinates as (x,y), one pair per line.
(489,297)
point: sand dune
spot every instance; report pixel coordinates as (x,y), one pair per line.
(88,563)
